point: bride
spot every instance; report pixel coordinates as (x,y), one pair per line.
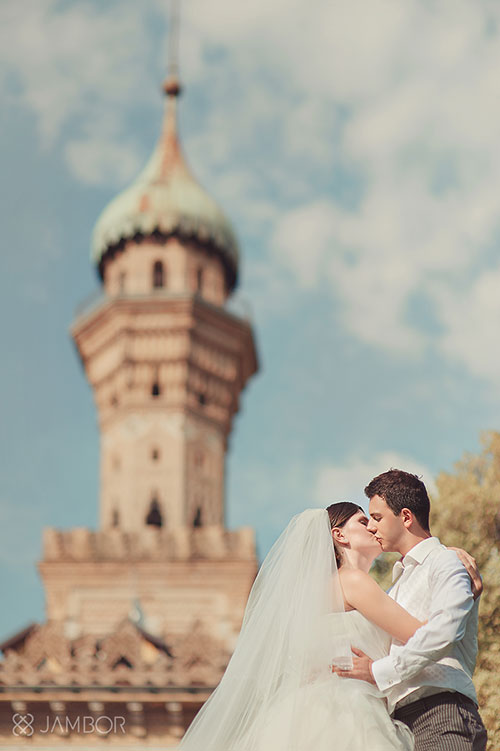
(311,604)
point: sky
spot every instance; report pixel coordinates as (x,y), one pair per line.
(354,146)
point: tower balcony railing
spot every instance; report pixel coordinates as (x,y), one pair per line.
(239,306)
(236,305)
(91,302)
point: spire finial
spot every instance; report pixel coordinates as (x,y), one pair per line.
(172,87)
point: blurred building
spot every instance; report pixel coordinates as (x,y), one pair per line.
(142,614)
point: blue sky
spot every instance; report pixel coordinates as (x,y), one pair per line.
(354,145)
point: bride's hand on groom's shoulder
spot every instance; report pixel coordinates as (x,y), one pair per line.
(471,567)
(361,668)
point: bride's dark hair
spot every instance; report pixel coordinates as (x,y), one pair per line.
(339,514)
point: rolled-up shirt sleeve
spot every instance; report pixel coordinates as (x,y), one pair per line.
(451,602)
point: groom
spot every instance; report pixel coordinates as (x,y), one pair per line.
(428,680)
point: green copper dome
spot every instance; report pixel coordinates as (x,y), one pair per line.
(166,198)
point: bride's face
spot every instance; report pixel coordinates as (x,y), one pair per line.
(359,538)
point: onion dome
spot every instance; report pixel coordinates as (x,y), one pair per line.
(166,200)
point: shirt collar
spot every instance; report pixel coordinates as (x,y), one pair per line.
(421,550)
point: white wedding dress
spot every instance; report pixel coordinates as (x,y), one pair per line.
(278,692)
(339,714)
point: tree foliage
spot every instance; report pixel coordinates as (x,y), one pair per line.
(466,513)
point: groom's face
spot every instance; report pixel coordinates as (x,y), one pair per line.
(386,527)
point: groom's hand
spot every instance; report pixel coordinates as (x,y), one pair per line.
(361,668)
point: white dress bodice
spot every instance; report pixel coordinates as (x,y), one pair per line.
(339,714)
(366,636)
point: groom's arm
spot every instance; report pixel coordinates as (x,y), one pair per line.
(451,603)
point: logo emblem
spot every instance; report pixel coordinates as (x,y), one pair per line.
(23,724)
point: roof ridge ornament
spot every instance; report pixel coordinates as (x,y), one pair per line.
(166,199)
(172,86)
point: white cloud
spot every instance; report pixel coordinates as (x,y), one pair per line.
(269,495)
(99,161)
(303,239)
(472,318)
(78,68)
(403,97)
(346,481)
(421,132)
(321,243)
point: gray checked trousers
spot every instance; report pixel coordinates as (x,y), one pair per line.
(444,722)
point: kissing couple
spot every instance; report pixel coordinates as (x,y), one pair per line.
(327,661)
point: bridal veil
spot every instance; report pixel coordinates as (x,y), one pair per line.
(293,631)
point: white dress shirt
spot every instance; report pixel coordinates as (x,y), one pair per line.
(434,586)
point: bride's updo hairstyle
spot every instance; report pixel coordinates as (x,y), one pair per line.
(339,514)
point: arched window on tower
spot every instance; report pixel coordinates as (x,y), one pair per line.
(122,278)
(155,386)
(199,279)
(115,518)
(198,520)
(158,275)
(154,516)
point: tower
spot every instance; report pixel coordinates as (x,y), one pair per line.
(165,358)
(167,362)
(143,613)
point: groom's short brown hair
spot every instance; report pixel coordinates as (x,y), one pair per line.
(401,490)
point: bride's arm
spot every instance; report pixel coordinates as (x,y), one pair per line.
(362,593)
